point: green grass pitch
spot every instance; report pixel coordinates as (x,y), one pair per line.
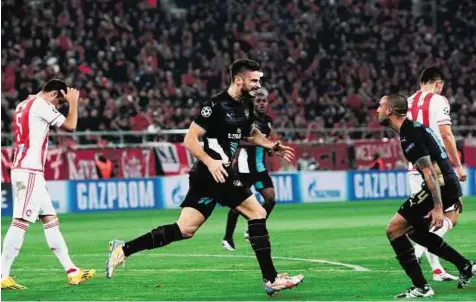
(200,269)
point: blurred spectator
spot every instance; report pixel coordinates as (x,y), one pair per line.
(325,63)
(307,163)
(378,163)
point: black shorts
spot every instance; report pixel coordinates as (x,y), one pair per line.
(416,207)
(260,180)
(204,192)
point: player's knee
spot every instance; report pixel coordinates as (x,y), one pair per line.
(47,219)
(259,213)
(20,220)
(188,232)
(21,223)
(392,231)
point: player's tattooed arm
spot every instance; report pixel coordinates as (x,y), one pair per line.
(425,165)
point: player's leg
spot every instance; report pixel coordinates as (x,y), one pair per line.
(415,180)
(266,188)
(195,211)
(231,221)
(437,246)
(54,237)
(259,240)
(416,209)
(12,243)
(58,246)
(403,248)
(439,273)
(264,185)
(25,211)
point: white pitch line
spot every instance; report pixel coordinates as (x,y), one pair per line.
(354,267)
(213,270)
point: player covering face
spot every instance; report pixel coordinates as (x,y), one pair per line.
(224,121)
(424,210)
(32,120)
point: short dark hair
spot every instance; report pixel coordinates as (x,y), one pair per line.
(431,75)
(398,103)
(54,85)
(242,65)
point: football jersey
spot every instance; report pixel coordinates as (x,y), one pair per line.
(31,123)
(418,141)
(252,158)
(430,109)
(226,122)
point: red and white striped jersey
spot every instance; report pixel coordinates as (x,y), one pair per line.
(430,109)
(31,123)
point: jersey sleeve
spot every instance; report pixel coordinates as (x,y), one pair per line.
(49,114)
(441,110)
(208,113)
(414,148)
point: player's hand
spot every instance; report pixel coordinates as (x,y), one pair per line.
(283,151)
(71,95)
(437,218)
(461,172)
(217,169)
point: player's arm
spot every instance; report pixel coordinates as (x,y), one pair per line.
(273,134)
(441,110)
(206,120)
(258,138)
(192,143)
(425,165)
(450,146)
(71,121)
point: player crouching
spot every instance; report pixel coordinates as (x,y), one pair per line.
(423,210)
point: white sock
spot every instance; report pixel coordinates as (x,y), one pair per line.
(12,244)
(432,259)
(58,245)
(419,250)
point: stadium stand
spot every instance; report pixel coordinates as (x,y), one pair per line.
(149,64)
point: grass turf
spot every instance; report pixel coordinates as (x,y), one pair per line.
(200,269)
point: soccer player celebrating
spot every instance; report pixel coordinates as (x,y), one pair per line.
(223,122)
(428,107)
(252,168)
(423,210)
(31,122)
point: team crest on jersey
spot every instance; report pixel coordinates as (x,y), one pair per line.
(446,111)
(206,111)
(237,183)
(247,113)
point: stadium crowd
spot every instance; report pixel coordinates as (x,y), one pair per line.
(148,65)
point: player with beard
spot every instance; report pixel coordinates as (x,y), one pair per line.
(425,209)
(223,121)
(252,168)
